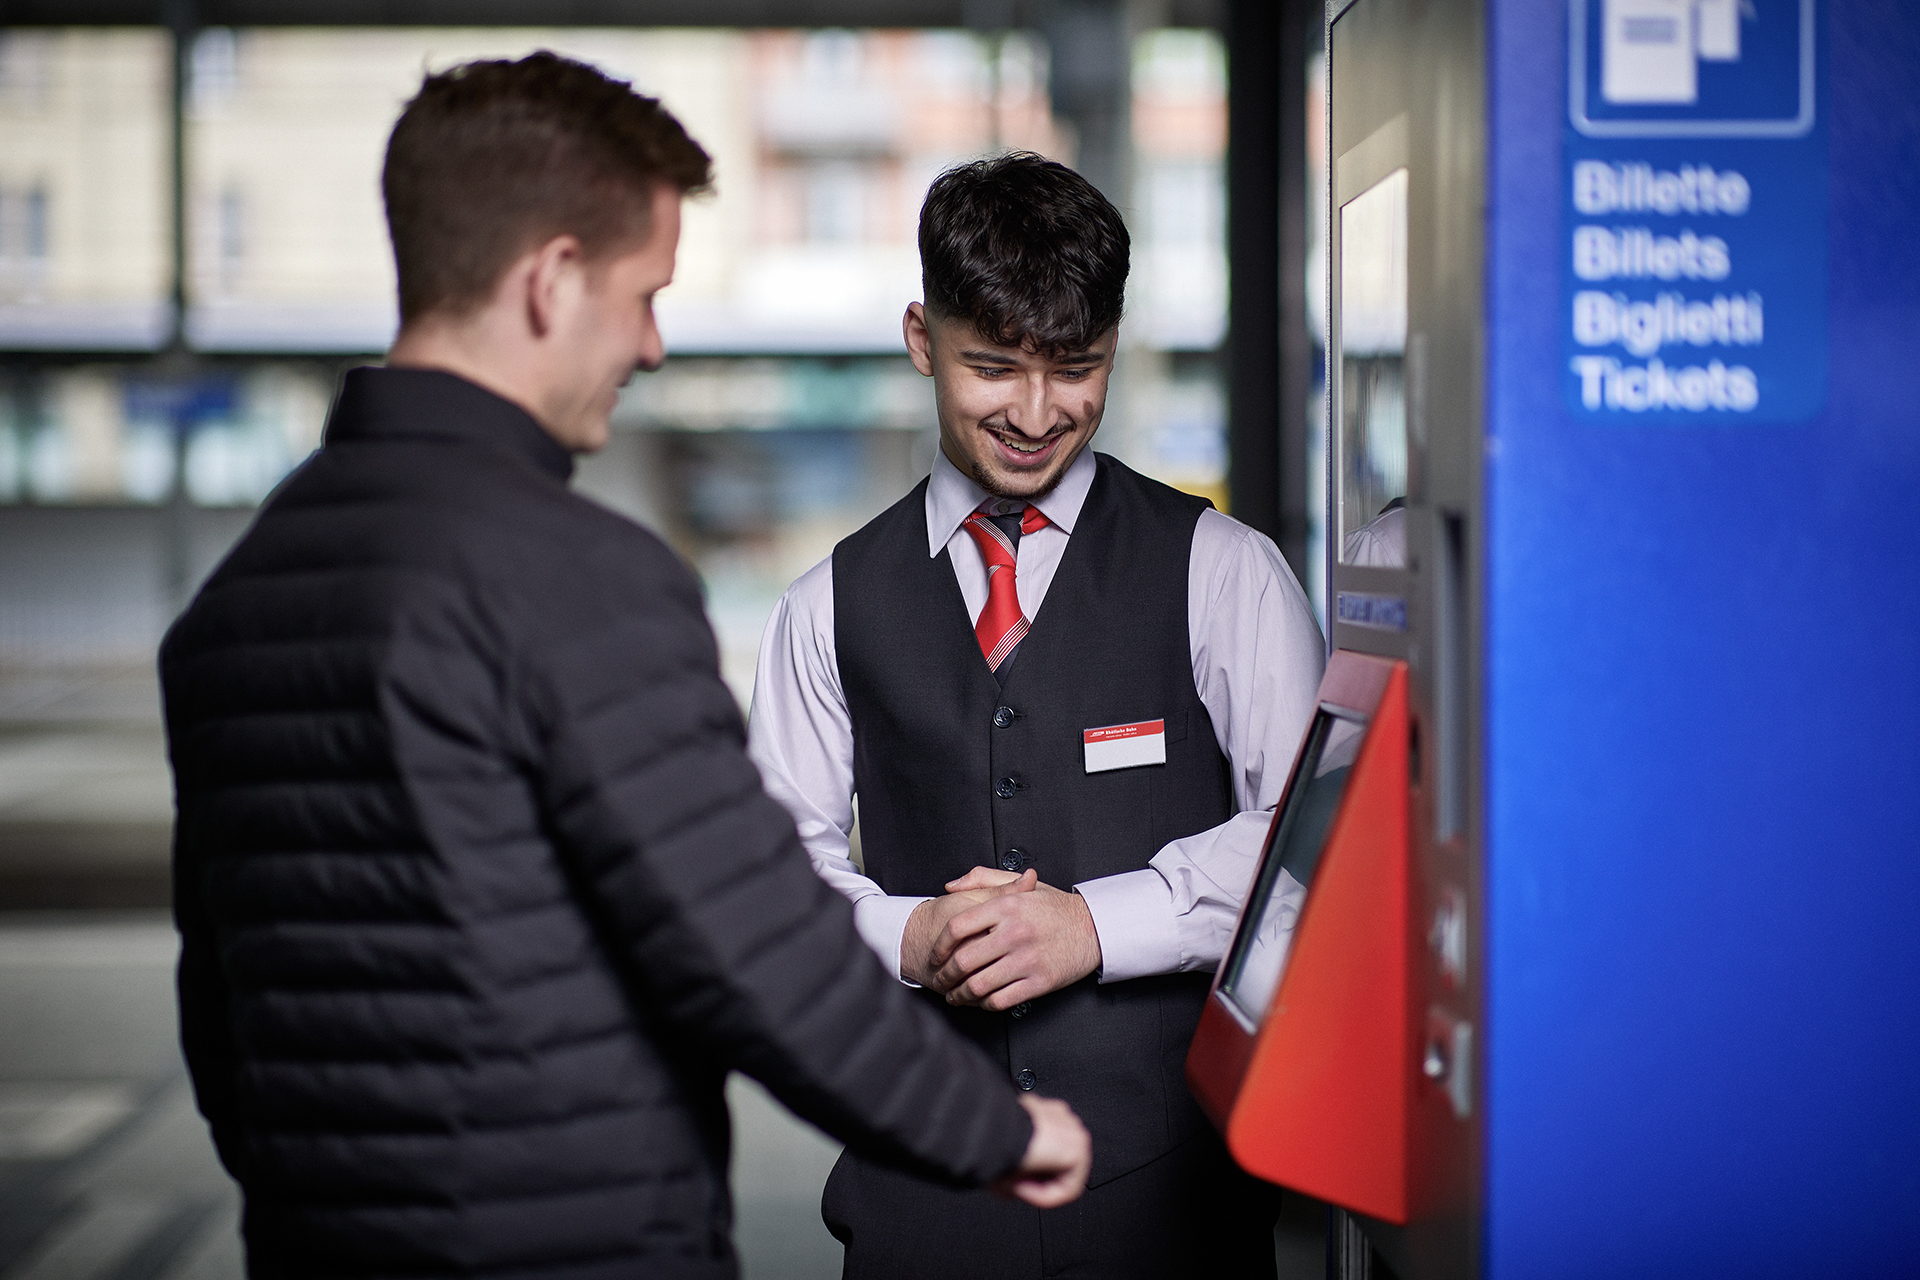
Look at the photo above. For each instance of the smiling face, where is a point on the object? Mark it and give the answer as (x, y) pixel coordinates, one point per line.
(1012, 420)
(604, 330)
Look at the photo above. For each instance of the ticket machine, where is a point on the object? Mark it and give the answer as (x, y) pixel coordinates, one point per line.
(1584, 942)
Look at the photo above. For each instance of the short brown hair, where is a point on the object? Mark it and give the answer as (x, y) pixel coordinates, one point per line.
(1026, 250)
(493, 158)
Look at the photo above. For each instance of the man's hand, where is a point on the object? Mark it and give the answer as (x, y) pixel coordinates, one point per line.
(929, 919)
(988, 878)
(1029, 940)
(1054, 1170)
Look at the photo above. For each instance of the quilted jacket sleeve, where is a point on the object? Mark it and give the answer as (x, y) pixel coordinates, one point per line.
(720, 921)
(206, 1039)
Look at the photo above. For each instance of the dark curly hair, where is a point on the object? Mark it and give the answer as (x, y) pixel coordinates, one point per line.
(493, 158)
(1025, 249)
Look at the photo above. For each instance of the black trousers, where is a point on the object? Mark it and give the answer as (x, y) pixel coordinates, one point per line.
(1191, 1212)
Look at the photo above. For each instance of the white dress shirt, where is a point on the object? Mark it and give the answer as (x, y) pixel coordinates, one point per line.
(1257, 658)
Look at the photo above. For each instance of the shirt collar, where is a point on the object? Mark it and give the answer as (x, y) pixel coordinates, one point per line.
(385, 402)
(952, 497)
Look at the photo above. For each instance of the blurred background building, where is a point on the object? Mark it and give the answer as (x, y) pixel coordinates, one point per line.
(787, 416)
(192, 251)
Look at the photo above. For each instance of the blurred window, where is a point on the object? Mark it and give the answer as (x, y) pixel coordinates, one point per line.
(120, 433)
(787, 415)
(1179, 294)
(84, 191)
(1168, 416)
(287, 243)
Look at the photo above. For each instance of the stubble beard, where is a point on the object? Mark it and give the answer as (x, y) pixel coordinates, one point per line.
(982, 475)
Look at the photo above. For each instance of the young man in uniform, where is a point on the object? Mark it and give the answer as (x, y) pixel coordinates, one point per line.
(479, 898)
(1047, 679)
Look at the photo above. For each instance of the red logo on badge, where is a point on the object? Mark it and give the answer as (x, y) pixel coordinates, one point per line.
(1143, 729)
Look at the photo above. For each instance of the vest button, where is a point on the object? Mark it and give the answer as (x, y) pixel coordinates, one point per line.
(1013, 860)
(1002, 717)
(1025, 1078)
(1005, 788)
(1020, 1010)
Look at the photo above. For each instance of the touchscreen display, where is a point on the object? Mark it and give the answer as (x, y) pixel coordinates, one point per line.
(1258, 956)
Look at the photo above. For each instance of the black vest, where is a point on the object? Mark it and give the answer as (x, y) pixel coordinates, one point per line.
(953, 771)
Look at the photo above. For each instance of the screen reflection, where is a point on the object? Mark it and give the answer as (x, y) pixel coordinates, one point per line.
(1372, 369)
(1258, 958)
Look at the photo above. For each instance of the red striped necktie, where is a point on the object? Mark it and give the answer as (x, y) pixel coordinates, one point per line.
(1001, 627)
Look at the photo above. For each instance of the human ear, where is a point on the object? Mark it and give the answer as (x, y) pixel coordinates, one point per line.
(553, 280)
(919, 339)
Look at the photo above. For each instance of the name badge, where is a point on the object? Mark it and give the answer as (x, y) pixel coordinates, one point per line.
(1122, 746)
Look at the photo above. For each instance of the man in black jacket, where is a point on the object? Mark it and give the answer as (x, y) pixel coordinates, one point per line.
(479, 897)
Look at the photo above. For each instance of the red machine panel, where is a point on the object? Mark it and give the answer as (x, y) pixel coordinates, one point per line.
(1305, 1054)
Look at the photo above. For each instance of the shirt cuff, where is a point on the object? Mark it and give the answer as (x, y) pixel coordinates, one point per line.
(1133, 914)
(881, 921)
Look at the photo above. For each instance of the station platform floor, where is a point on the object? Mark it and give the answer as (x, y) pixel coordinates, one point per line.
(106, 1170)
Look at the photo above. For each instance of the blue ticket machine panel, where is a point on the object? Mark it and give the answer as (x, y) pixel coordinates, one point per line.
(1701, 617)
(1624, 303)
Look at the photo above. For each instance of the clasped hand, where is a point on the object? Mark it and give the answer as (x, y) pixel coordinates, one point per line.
(997, 939)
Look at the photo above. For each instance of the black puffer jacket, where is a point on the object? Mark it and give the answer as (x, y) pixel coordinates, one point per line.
(479, 896)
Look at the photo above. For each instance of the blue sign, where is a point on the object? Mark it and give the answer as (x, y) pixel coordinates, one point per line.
(181, 403)
(1365, 609)
(1695, 206)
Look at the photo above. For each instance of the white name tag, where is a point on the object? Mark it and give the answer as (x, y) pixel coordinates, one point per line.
(1122, 746)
